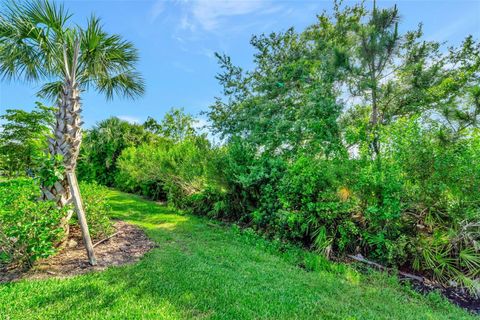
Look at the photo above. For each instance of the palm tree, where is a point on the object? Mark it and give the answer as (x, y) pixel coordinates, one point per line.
(38, 43)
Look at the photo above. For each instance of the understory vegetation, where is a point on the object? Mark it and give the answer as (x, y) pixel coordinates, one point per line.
(30, 228)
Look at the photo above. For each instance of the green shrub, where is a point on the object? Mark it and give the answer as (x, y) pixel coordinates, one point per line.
(103, 144)
(440, 198)
(29, 228)
(165, 170)
(97, 209)
(210, 202)
(421, 211)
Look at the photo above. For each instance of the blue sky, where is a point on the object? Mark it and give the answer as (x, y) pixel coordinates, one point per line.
(177, 40)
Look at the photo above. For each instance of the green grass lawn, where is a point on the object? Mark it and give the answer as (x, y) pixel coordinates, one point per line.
(204, 271)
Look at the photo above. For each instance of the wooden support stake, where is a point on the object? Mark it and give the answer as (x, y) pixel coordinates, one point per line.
(107, 238)
(82, 220)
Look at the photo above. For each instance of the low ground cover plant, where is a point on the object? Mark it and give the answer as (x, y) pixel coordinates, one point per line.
(30, 228)
(97, 209)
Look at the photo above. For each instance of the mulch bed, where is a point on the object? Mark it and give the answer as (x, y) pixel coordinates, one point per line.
(459, 296)
(420, 283)
(127, 246)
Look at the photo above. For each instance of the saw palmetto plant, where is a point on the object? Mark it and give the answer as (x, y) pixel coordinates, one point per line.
(40, 44)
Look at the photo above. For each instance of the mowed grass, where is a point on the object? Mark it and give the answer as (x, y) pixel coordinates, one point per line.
(206, 271)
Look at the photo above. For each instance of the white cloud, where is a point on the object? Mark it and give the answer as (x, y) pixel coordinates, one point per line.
(157, 8)
(179, 39)
(193, 21)
(209, 14)
(130, 119)
(209, 53)
(186, 24)
(183, 67)
(458, 26)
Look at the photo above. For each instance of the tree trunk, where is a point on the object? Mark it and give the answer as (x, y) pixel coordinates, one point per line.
(66, 142)
(375, 142)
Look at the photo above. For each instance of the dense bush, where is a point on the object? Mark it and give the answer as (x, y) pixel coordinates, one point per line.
(29, 228)
(103, 144)
(23, 138)
(97, 209)
(440, 203)
(165, 170)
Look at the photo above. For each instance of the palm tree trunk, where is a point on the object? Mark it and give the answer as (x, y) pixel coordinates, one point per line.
(65, 142)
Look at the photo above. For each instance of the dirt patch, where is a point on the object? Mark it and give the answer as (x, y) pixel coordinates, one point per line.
(420, 283)
(459, 296)
(127, 246)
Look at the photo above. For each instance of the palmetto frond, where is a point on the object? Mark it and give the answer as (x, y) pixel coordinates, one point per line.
(30, 34)
(128, 84)
(50, 90)
(37, 43)
(107, 63)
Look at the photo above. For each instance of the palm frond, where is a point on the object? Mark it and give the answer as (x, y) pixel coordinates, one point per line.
(103, 53)
(29, 37)
(51, 90)
(107, 61)
(37, 44)
(52, 15)
(128, 84)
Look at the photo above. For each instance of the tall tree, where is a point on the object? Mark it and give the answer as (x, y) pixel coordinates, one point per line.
(287, 103)
(389, 73)
(377, 46)
(176, 125)
(456, 97)
(38, 43)
(22, 138)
